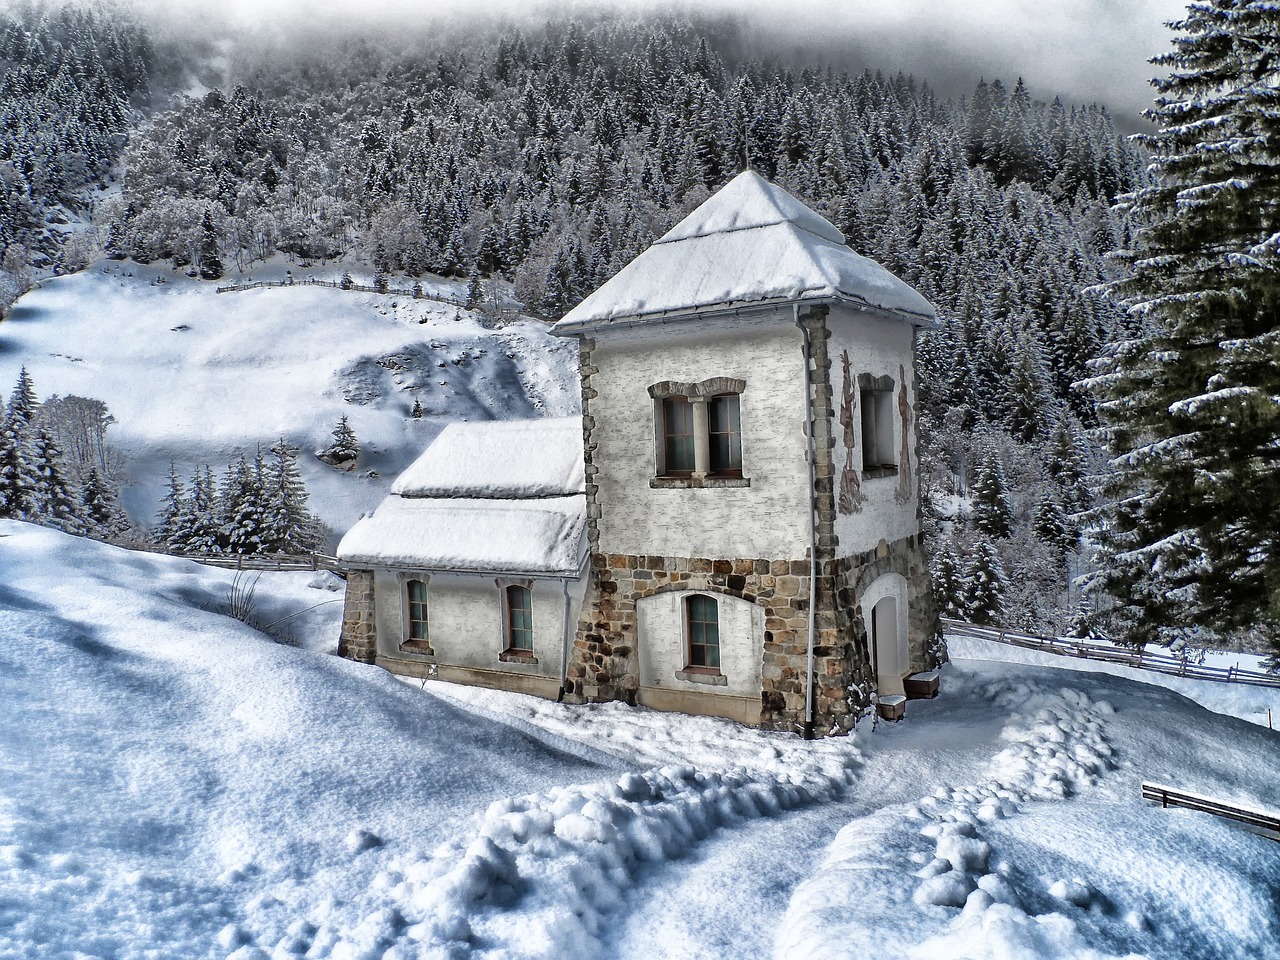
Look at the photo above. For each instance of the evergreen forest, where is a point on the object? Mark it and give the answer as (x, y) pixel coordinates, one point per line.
(549, 153)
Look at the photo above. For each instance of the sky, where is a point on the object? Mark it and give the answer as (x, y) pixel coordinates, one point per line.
(1084, 50)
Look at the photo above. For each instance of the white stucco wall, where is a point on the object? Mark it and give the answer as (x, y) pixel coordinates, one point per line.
(662, 651)
(465, 621)
(877, 347)
(890, 655)
(766, 519)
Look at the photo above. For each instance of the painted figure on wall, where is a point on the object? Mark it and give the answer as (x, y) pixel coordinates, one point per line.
(851, 497)
(903, 493)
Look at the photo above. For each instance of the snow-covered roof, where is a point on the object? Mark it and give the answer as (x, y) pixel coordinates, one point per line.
(542, 536)
(496, 498)
(505, 459)
(751, 242)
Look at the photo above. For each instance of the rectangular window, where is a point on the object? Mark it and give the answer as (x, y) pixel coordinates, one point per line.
(726, 435)
(417, 610)
(702, 621)
(878, 450)
(520, 618)
(677, 428)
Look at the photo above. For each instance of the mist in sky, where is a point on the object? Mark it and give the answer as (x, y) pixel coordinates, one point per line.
(1083, 50)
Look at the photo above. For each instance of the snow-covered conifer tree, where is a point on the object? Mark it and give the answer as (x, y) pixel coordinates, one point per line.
(55, 503)
(992, 509)
(343, 449)
(948, 579)
(100, 506)
(984, 584)
(1188, 399)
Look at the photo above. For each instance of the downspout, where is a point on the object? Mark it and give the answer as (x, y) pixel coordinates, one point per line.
(813, 528)
(564, 644)
(569, 625)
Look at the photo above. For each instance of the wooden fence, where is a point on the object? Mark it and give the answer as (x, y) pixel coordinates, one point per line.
(1269, 823)
(1137, 658)
(503, 314)
(259, 561)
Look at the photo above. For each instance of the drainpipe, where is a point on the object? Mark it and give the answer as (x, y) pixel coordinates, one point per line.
(813, 529)
(564, 644)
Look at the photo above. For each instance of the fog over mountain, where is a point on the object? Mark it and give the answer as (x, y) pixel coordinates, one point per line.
(1083, 50)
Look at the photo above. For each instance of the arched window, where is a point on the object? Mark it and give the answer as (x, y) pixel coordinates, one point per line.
(417, 611)
(702, 628)
(519, 618)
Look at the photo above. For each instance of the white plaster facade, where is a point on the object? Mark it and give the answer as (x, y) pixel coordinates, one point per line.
(768, 518)
(878, 347)
(467, 621)
(661, 645)
(884, 613)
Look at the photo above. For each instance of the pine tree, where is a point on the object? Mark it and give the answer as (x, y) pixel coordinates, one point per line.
(169, 531)
(17, 483)
(23, 403)
(205, 525)
(242, 507)
(992, 509)
(343, 449)
(984, 584)
(288, 527)
(55, 503)
(948, 580)
(1187, 400)
(211, 267)
(100, 506)
(1051, 526)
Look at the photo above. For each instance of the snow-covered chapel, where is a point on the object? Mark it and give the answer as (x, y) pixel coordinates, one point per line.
(733, 526)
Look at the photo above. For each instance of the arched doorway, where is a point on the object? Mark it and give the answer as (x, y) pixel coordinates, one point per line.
(884, 606)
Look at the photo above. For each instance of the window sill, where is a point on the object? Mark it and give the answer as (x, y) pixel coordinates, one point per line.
(707, 675)
(697, 483)
(875, 472)
(517, 656)
(420, 647)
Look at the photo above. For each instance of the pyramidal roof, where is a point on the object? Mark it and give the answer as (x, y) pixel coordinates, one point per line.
(751, 242)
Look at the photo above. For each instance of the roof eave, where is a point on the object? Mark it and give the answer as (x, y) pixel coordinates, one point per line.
(737, 308)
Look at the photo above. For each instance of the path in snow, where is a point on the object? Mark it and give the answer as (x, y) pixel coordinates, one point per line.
(546, 875)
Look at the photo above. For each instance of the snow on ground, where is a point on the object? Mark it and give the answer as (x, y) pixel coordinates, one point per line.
(175, 783)
(1233, 699)
(192, 375)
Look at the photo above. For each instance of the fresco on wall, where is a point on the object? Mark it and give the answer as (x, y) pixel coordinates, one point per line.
(903, 493)
(851, 497)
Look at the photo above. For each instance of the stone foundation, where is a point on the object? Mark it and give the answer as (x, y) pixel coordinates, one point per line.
(359, 638)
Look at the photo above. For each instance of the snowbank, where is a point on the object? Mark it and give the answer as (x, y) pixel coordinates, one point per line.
(1231, 699)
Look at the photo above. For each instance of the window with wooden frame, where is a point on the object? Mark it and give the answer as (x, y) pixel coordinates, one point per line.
(519, 601)
(879, 450)
(702, 632)
(677, 437)
(698, 433)
(725, 430)
(417, 630)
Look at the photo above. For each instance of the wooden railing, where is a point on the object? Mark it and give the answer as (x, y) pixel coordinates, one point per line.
(1137, 658)
(261, 561)
(419, 294)
(1269, 823)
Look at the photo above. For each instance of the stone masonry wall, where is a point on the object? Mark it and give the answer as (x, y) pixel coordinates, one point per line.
(359, 638)
(604, 663)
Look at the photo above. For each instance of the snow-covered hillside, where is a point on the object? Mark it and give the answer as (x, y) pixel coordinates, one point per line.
(192, 375)
(177, 784)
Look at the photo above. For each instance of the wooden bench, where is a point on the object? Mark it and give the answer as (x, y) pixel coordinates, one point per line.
(1267, 823)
